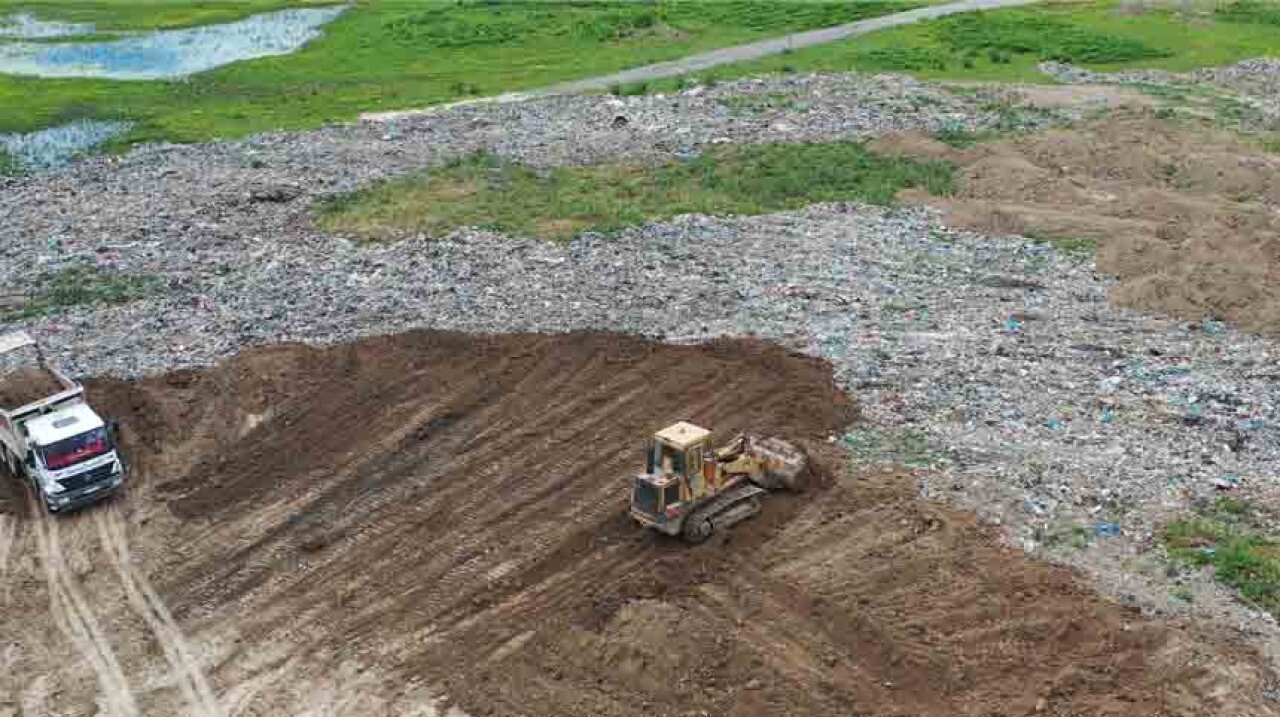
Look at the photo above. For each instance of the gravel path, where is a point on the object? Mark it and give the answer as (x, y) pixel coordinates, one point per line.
(738, 53)
(994, 362)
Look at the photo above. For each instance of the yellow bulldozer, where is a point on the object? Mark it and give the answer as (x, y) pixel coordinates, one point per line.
(691, 490)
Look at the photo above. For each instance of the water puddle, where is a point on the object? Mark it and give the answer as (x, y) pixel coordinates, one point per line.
(57, 146)
(165, 54)
(25, 26)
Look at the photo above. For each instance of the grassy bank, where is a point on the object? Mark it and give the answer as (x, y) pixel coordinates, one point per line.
(484, 191)
(1006, 45)
(385, 55)
(1229, 540)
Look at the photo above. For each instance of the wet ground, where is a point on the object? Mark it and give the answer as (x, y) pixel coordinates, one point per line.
(164, 54)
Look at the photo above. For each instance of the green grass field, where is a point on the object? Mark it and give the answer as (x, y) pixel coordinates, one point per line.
(393, 54)
(558, 204)
(1006, 45)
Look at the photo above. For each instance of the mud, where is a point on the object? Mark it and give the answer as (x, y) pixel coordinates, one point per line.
(1183, 215)
(438, 519)
(19, 388)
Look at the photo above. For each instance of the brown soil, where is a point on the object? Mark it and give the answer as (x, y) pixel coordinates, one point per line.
(446, 512)
(18, 388)
(1187, 218)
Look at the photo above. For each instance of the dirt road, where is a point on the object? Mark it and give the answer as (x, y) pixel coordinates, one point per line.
(428, 520)
(730, 55)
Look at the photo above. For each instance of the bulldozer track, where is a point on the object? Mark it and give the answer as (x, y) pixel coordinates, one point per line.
(148, 605)
(8, 539)
(722, 503)
(74, 618)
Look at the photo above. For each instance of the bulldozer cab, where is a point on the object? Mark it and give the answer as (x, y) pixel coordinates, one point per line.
(679, 450)
(676, 468)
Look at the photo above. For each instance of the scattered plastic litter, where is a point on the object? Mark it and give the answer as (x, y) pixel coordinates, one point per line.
(1226, 482)
(57, 146)
(1106, 530)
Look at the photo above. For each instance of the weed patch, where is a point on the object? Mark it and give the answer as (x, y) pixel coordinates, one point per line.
(1249, 11)
(485, 191)
(756, 104)
(83, 285)
(629, 90)
(1225, 539)
(9, 166)
(1075, 536)
(768, 14)
(1001, 35)
(958, 136)
(884, 447)
(1073, 247)
(902, 59)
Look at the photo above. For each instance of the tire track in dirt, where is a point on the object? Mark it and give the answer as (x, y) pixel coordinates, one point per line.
(8, 538)
(144, 601)
(449, 511)
(75, 620)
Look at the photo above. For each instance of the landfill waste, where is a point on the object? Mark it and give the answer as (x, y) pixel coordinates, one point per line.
(903, 306)
(1229, 482)
(55, 147)
(1253, 85)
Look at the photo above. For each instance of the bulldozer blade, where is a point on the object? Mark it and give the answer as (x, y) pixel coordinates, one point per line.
(785, 465)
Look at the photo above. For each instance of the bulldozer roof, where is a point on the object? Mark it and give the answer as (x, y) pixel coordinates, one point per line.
(682, 435)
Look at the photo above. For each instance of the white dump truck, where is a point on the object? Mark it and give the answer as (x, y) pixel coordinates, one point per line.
(49, 434)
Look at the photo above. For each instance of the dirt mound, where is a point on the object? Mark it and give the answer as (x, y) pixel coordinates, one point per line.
(914, 144)
(28, 385)
(1185, 216)
(446, 512)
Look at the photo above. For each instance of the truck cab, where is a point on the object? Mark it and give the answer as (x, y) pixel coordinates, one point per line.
(48, 432)
(72, 458)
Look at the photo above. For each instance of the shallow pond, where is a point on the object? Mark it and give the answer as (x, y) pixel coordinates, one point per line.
(163, 54)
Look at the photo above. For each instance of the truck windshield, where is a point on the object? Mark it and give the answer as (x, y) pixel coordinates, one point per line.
(72, 450)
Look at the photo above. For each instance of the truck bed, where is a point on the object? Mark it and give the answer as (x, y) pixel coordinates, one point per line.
(27, 385)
